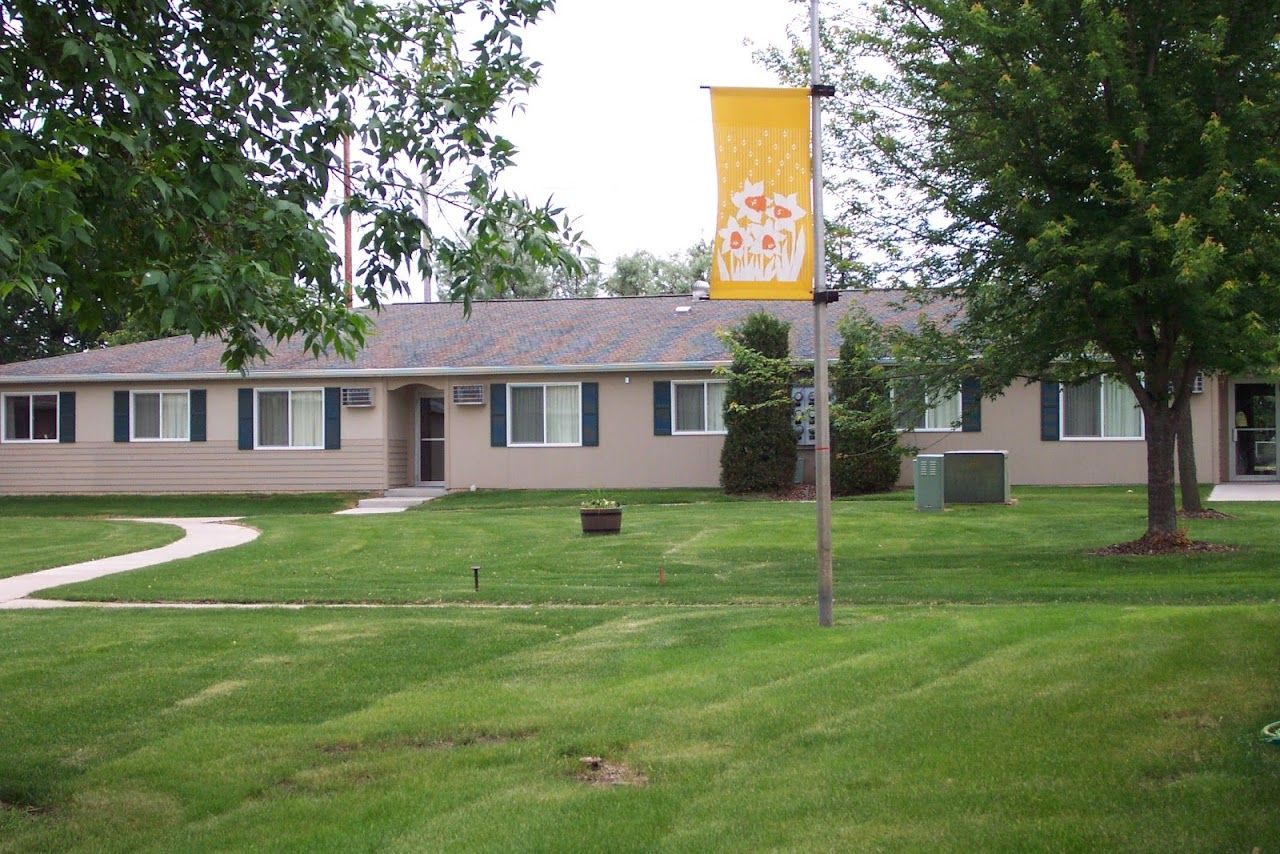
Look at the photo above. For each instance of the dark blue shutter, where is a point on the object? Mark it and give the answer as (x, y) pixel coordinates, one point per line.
(199, 415)
(332, 418)
(970, 406)
(1049, 430)
(121, 413)
(246, 419)
(662, 408)
(498, 415)
(591, 414)
(66, 416)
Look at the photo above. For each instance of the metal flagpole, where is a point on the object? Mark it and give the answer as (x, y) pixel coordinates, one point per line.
(821, 297)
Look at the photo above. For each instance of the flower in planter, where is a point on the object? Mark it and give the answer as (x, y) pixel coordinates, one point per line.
(599, 502)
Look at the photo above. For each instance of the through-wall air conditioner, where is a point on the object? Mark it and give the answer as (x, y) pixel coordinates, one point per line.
(468, 395)
(359, 397)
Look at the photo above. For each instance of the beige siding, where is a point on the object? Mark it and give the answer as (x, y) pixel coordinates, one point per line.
(96, 463)
(628, 455)
(1012, 423)
(378, 446)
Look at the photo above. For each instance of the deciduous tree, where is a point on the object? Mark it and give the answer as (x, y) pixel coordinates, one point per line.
(170, 160)
(1095, 182)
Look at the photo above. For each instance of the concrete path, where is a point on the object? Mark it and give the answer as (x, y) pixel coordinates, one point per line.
(393, 501)
(1245, 492)
(202, 535)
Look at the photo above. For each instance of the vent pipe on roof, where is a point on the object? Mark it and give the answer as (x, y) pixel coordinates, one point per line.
(701, 291)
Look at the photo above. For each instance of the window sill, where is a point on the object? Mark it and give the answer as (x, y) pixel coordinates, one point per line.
(288, 447)
(544, 445)
(1103, 438)
(30, 441)
(168, 441)
(699, 432)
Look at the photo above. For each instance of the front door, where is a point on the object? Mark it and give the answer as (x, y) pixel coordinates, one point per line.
(1253, 431)
(431, 440)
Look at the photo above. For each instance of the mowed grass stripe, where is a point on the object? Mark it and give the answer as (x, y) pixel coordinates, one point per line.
(1057, 726)
(725, 552)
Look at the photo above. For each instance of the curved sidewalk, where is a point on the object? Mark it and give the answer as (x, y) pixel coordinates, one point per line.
(203, 534)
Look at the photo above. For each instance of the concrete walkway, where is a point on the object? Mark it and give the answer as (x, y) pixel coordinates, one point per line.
(394, 501)
(1245, 492)
(202, 535)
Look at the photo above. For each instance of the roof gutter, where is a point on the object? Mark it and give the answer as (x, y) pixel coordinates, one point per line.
(361, 373)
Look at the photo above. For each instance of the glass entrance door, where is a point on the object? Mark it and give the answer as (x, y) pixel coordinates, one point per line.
(431, 440)
(1254, 431)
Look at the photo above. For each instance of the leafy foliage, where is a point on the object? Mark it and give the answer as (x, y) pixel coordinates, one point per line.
(865, 453)
(642, 273)
(169, 161)
(759, 452)
(1096, 184)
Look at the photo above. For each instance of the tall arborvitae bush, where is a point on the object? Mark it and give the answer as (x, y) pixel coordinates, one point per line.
(759, 452)
(865, 454)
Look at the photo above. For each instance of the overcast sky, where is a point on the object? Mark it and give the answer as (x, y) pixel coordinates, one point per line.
(618, 130)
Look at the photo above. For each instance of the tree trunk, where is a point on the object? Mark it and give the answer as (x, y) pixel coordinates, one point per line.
(1162, 510)
(1188, 482)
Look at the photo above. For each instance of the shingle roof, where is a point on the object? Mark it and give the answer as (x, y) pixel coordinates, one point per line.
(436, 338)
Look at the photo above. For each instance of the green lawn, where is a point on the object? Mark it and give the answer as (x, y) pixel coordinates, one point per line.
(175, 505)
(999, 728)
(989, 685)
(27, 545)
(727, 551)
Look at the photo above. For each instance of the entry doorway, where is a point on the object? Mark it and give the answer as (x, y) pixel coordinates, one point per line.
(1254, 419)
(431, 441)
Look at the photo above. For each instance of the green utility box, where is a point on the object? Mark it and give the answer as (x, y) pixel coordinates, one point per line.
(929, 481)
(976, 477)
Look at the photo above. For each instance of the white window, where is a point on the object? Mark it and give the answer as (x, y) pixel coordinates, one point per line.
(1100, 408)
(160, 416)
(919, 413)
(544, 414)
(699, 406)
(290, 418)
(31, 417)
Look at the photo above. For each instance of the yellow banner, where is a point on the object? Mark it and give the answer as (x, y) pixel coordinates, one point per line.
(764, 236)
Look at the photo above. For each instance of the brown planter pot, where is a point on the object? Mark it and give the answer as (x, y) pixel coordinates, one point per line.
(601, 520)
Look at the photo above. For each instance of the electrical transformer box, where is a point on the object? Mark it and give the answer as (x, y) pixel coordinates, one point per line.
(929, 481)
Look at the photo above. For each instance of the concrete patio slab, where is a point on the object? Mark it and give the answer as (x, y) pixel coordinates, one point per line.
(203, 534)
(1245, 492)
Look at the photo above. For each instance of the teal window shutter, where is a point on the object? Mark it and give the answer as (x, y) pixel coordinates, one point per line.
(332, 418)
(199, 415)
(591, 414)
(1049, 427)
(498, 415)
(662, 408)
(970, 405)
(66, 416)
(121, 413)
(246, 419)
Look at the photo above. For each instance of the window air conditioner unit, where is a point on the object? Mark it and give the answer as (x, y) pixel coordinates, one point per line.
(468, 395)
(357, 397)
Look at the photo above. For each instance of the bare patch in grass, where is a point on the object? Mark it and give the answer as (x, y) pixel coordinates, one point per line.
(1202, 719)
(28, 810)
(598, 771)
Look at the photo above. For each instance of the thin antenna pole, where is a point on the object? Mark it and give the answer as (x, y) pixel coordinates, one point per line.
(822, 447)
(346, 219)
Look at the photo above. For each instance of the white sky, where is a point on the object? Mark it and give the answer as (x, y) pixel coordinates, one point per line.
(618, 130)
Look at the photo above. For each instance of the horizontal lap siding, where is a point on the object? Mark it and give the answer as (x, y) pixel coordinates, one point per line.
(88, 467)
(398, 462)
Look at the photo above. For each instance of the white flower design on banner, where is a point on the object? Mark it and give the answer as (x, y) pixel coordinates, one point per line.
(771, 246)
(751, 201)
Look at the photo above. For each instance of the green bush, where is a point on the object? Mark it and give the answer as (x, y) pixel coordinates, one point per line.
(865, 454)
(759, 451)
